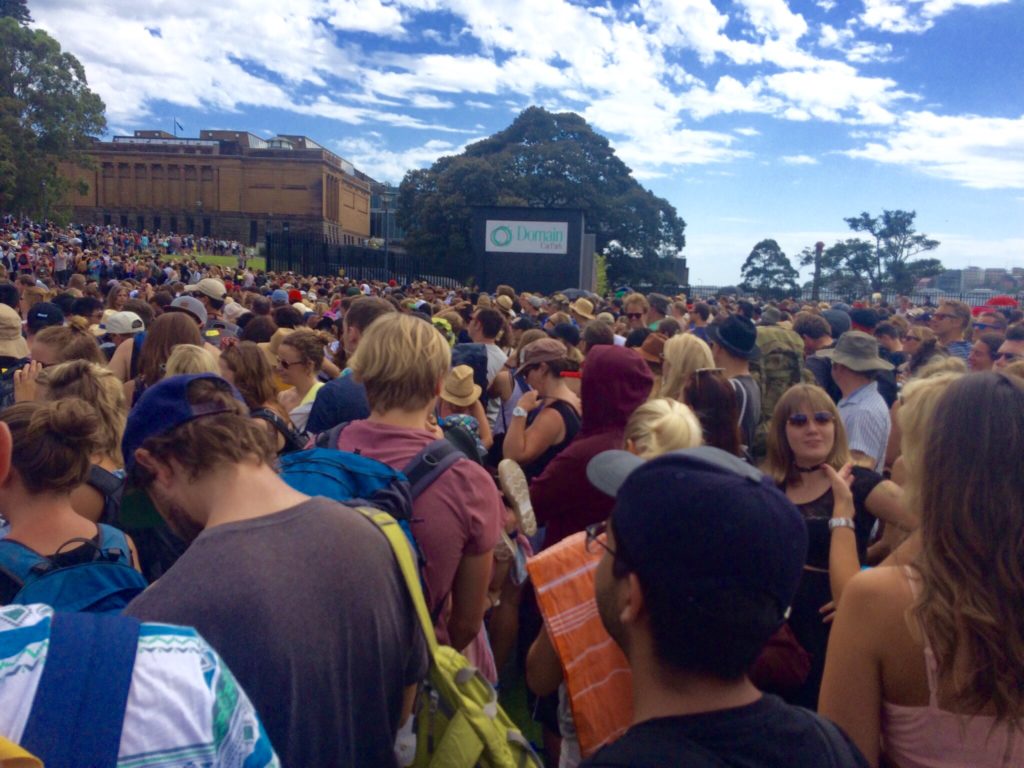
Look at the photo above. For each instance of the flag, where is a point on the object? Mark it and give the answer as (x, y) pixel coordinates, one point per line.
(178, 125)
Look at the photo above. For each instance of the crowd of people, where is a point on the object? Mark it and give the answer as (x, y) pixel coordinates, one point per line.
(723, 532)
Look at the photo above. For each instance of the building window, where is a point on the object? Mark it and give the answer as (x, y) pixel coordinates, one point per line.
(106, 219)
(190, 173)
(108, 170)
(157, 173)
(124, 170)
(253, 231)
(140, 223)
(206, 227)
(190, 225)
(174, 223)
(124, 221)
(140, 171)
(207, 173)
(156, 223)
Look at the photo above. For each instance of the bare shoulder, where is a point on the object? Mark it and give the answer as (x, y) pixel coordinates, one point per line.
(877, 596)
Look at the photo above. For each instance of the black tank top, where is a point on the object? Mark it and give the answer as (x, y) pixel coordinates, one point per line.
(571, 420)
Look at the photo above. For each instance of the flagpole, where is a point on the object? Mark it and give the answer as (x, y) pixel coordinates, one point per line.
(175, 127)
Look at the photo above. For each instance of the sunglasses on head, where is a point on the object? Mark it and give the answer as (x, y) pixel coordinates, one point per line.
(821, 418)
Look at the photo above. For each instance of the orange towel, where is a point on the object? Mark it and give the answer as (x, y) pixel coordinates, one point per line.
(596, 673)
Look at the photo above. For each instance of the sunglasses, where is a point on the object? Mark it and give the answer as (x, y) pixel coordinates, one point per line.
(634, 315)
(942, 316)
(285, 364)
(984, 326)
(1008, 356)
(821, 418)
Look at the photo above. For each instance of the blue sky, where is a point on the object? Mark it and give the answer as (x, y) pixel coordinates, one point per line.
(755, 118)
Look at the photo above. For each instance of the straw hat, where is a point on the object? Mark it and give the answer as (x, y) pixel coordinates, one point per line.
(584, 308)
(459, 388)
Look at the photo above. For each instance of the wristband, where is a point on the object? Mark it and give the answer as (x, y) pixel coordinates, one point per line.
(841, 522)
(517, 411)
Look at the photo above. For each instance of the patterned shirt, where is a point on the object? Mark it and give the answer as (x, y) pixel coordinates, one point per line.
(866, 418)
(961, 349)
(184, 707)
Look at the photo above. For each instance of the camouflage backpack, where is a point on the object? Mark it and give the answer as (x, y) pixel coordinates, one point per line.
(780, 366)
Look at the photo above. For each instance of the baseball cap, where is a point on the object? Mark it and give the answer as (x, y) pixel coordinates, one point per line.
(706, 520)
(279, 296)
(541, 351)
(210, 287)
(191, 306)
(838, 322)
(123, 323)
(43, 315)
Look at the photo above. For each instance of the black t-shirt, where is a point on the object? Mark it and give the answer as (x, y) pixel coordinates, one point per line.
(765, 734)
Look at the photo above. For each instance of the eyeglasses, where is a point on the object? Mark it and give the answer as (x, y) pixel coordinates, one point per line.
(285, 364)
(597, 535)
(634, 315)
(1008, 356)
(821, 418)
(942, 316)
(984, 326)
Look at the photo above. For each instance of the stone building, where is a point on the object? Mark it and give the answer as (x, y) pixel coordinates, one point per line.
(225, 184)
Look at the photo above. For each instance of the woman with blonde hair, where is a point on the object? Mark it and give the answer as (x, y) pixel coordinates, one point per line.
(926, 665)
(64, 343)
(683, 354)
(189, 358)
(299, 358)
(661, 425)
(809, 459)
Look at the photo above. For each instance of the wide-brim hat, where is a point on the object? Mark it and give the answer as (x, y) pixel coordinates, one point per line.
(584, 308)
(737, 335)
(541, 351)
(11, 342)
(858, 351)
(653, 348)
(459, 388)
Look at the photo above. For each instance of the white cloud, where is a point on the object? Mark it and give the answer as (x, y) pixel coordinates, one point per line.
(365, 16)
(747, 131)
(383, 164)
(913, 15)
(826, 5)
(799, 160)
(979, 152)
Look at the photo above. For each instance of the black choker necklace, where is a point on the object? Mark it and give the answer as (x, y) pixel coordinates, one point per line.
(805, 470)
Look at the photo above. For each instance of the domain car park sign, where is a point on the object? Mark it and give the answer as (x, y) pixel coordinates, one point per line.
(532, 249)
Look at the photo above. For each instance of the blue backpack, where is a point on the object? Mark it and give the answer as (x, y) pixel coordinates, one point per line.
(104, 584)
(360, 481)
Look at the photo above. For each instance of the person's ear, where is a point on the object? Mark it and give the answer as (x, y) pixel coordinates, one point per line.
(163, 473)
(6, 448)
(633, 600)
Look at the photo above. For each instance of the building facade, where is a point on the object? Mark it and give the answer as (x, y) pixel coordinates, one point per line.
(225, 184)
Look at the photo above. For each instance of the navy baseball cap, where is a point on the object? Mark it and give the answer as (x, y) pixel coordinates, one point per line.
(165, 406)
(704, 519)
(43, 315)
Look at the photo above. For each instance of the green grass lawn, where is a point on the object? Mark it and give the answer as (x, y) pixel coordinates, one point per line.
(256, 262)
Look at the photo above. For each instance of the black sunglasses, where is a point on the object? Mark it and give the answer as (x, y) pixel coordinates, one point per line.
(634, 315)
(821, 418)
(1008, 356)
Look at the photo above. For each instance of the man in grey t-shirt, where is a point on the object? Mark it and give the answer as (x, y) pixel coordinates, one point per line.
(301, 596)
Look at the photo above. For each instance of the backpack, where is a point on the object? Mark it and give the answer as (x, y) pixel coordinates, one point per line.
(457, 720)
(475, 356)
(780, 366)
(111, 487)
(358, 480)
(293, 441)
(104, 584)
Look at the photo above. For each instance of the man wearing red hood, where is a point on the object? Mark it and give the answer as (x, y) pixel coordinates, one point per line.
(616, 381)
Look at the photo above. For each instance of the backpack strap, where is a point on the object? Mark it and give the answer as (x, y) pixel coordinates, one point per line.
(17, 561)
(114, 539)
(104, 481)
(78, 713)
(429, 464)
(329, 439)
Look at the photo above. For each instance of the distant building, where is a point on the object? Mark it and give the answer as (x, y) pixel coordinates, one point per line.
(950, 280)
(994, 276)
(225, 184)
(973, 277)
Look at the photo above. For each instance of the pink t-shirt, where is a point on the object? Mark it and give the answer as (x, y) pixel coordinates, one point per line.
(461, 513)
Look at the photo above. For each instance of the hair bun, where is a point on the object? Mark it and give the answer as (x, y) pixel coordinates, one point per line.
(71, 421)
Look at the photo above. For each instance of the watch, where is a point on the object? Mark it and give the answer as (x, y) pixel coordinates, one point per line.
(517, 411)
(841, 522)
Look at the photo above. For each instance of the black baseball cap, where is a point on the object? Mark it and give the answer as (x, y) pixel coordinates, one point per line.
(43, 315)
(705, 519)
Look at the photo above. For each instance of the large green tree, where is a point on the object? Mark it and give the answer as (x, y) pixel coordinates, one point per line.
(15, 9)
(542, 160)
(767, 271)
(47, 116)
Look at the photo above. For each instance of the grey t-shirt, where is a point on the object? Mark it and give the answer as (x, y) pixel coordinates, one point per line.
(748, 406)
(309, 610)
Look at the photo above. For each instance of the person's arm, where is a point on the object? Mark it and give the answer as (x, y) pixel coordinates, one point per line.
(483, 425)
(503, 385)
(469, 598)
(843, 562)
(543, 670)
(851, 691)
(524, 444)
(892, 450)
(886, 503)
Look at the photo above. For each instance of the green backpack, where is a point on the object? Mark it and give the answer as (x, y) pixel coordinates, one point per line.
(457, 719)
(780, 366)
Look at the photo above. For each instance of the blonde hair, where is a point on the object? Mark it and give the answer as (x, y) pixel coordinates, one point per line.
(400, 360)
(189, 358)
(683, 354)
(663, 425)
(100, 388)
(918, 401)
(781, 460)
(940, 364)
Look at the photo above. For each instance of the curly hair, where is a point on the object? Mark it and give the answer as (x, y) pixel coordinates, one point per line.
(99, 387)
(971, 504)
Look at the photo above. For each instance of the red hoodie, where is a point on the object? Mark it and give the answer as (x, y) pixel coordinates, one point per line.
(616, 381)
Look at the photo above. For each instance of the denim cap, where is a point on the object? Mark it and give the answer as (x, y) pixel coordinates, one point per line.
(705, 519)
(164, 407)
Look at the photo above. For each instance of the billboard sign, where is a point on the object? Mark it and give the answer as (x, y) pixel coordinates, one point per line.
(526, 236)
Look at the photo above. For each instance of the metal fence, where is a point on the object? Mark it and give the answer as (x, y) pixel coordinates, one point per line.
(315, 256)
(927, 296)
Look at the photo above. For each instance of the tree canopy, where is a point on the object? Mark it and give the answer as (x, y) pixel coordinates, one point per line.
(884, 262)
(768, 272)
(15, 9)
(542, 160)
(47, 115)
